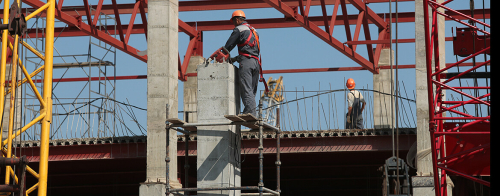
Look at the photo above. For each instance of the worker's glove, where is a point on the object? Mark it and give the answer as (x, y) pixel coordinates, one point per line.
(232, 60)
(348, 119)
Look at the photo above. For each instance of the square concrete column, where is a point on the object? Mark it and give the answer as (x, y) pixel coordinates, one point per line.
(191, 90)
(218, 160)
(162, 94)
(423, 182)
(383, 117)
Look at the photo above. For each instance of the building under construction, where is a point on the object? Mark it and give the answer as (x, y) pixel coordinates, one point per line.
(99, 101)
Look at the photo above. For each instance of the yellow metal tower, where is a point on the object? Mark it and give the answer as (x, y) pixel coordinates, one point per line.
(272, 99)
(13, 29)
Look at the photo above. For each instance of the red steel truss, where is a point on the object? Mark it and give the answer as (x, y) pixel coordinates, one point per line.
(461, 149)
(296, 14)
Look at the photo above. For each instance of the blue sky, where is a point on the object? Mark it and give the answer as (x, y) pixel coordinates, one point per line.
(286, 48)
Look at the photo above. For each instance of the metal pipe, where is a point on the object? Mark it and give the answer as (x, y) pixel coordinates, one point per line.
(11, 109)
(244, 188)
(186, 162)
(3, 64)
(47, 94)
(261, 147)
(256, 194)
(278, 161)
(432, 128)
(13, 161)
(207, 124)
(267, 125)
(167, 158)
(270, 191)
(9, 188)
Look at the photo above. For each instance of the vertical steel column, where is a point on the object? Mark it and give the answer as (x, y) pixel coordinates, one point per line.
(432, 123)
(186, 160)
(3, 66)
(278, 161)
(12, 106)
(167, 156)
(47, 95)
(261, 147)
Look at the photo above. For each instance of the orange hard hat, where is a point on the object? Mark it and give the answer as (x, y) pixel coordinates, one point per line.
(350, 83)
(237, 13)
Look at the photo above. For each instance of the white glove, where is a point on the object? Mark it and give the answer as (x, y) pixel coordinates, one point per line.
(348, 119)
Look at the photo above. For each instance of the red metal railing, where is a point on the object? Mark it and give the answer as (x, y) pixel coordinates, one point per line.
(460, 149)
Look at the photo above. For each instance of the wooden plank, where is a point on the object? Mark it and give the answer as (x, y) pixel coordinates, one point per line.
(176, 121)
(251, 125)
(234, 118)
(247, 117)
(191, 129)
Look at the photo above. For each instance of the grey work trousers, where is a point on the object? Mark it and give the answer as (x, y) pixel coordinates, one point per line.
(249, 79)
(356, 122)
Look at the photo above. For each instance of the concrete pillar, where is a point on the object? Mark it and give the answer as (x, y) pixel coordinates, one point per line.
(218, 160)
(190, 91)
(17, 110)
(382, 113)
(162, 92)
(423, 182)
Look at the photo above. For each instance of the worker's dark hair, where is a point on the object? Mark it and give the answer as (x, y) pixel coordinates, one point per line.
(240, 17)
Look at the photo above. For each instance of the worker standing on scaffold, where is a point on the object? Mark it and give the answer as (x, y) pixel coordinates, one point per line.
(354, 119)
(247, 39)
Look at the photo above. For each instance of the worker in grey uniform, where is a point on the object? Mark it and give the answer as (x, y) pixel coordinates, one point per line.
(246, 38)
(356, 105)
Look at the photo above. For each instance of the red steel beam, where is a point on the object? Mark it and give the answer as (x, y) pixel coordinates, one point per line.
(74, 152)
(316, 144)
(313, 28)
(257, 23)
(278, 71)
(103, 36)
(192, 6)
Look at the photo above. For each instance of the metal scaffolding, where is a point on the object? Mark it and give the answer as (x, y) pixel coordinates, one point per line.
(88, 109)
(190, 128)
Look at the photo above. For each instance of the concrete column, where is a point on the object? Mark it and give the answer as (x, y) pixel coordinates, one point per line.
(218, 160)
(17, 110)
(382, 113)
(191, 90)
(162, 92)
(423, 182)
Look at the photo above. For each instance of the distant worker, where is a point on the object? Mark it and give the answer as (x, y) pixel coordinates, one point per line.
(247, 39)
(354, 119)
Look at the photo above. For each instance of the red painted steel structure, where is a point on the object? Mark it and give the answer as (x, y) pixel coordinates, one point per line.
(454, 145)
(277, 71)
(296, 15)
(346, 165)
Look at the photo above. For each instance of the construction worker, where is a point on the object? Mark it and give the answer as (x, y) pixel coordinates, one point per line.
(247, 39)
(356, 105)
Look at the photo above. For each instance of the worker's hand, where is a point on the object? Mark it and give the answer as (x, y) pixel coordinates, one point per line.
(348, 119)
(232, 60)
